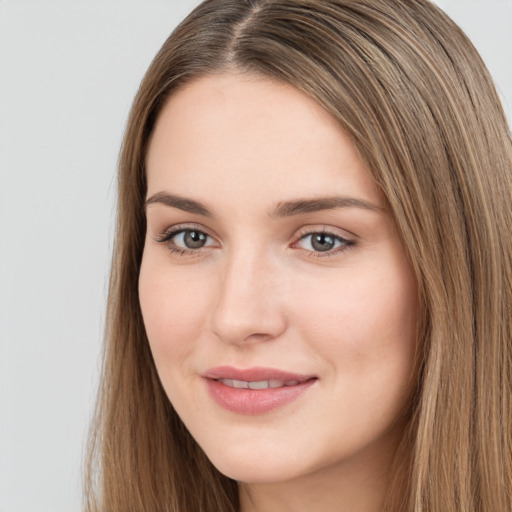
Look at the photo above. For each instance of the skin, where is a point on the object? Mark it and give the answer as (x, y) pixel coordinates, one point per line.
(258, 293)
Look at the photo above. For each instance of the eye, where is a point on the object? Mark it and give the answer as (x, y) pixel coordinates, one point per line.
(185, 241)
(190, 239)
(323, 242)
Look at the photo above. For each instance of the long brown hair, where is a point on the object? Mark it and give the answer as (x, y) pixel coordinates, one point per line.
(414, 96)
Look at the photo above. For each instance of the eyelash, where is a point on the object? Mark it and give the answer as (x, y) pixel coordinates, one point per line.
(167, 237)
(345, 244)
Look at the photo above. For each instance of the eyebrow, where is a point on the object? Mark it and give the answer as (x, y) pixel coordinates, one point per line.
(283, 209)
(182, 203)
(304, 206)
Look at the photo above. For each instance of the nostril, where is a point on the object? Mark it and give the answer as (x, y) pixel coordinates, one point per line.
(242, 338)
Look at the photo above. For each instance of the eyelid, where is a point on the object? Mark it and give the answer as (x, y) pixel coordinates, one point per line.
(325, 228)
(347, 241)
(185, 226)
(165, 237)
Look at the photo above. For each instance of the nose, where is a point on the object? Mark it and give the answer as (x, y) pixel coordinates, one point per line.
(249, 303)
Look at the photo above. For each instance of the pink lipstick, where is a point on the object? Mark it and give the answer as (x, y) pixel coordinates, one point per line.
(255, 390)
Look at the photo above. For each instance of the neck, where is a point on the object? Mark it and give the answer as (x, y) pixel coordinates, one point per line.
(324, 495)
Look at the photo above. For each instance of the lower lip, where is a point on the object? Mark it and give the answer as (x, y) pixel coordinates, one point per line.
(255, 401)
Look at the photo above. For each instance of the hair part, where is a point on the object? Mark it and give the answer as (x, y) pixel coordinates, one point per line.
(415, 98)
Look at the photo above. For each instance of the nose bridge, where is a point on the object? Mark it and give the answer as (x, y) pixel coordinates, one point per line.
(248, 305)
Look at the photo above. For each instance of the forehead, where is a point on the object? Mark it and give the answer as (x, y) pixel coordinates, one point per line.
(253, 135)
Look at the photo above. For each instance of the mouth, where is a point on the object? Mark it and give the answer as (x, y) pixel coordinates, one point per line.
(255, 390)
(260, 384)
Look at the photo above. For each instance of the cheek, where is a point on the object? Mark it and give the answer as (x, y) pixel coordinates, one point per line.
(365, 324)
(368, 337)
(174, 307)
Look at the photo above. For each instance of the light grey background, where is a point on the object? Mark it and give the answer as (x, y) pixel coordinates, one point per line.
(68, 72)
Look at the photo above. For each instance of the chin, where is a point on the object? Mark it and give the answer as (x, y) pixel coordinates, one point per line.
(255, 466)
(253, 473)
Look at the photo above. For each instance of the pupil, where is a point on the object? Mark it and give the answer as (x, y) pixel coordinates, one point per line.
(322, 242)
(194, 239)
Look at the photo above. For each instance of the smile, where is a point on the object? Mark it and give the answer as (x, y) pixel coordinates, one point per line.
(255, 391)
(261, 384)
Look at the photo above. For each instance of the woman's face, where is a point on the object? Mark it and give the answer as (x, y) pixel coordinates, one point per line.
(277, 297)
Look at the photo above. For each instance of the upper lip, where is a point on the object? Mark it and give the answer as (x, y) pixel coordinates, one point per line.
(254, 374)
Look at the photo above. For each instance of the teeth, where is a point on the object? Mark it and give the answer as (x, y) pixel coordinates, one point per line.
(262, 384)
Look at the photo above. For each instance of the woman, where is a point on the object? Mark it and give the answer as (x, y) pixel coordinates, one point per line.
(311, 289)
